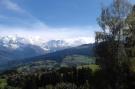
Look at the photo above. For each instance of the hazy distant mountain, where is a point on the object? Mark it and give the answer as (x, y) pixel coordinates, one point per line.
(15, 47)
(15, 42)
(86, 50)
(27, 51)
(55, 45)
(58, 56)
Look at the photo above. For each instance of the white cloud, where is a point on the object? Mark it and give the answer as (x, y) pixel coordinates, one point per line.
(10, 5)
(36, 28)
(49, 33)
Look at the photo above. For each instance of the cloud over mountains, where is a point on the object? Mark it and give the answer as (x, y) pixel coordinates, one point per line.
(15, 20)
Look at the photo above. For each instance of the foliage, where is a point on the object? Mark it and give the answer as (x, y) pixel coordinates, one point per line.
(64, 78)
(115, 45)
(111, 47)
(65, 86)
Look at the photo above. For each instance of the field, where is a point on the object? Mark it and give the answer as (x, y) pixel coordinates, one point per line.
(3, 83)
(94, 67)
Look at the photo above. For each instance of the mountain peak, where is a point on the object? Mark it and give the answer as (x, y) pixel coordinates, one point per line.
(15, 41)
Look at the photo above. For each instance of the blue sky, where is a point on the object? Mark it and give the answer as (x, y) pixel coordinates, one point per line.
(50, 19)
(56, 13)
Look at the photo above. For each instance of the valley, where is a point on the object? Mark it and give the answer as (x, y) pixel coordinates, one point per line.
(67, 44)
(17, 51)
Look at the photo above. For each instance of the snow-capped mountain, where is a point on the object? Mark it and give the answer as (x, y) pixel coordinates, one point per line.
(54, 45)
(15, 42)
(15, 47)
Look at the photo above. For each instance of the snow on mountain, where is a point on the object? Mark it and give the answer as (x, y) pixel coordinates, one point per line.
(54, 45)
(14, 42)
(16, 47)
(19, 48)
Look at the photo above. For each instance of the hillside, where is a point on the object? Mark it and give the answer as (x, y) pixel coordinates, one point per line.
(86, 50)
(58, 56)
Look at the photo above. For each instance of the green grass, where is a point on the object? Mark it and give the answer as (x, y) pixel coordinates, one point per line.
(79, 59)
(3, 83)
(94, 67)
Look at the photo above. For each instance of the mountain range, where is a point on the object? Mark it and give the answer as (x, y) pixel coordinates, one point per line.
(15, 50)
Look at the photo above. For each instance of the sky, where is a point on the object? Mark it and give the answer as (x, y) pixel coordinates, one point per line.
(51, 19)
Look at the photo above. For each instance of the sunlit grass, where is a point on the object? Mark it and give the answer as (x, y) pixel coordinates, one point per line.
(3, 83)
(93, 67)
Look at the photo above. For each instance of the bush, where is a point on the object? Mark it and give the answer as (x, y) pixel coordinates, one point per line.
(66, 86)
